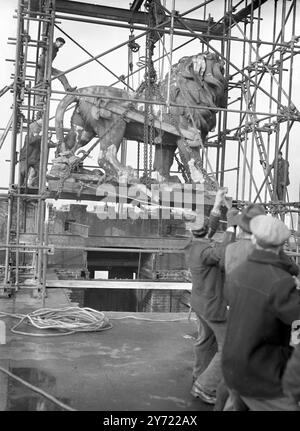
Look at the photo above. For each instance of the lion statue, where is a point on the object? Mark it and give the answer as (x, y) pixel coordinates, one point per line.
(197, 87)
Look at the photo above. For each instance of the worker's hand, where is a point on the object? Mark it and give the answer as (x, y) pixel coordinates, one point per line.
(297, 282)
(220, 197)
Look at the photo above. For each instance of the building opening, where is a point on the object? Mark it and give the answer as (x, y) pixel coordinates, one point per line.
(122, 266)
(112, 266)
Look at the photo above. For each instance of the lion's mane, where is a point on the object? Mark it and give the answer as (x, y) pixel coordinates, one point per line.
(207, 88)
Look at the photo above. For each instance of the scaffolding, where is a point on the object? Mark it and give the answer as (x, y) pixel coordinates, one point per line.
(250, 132)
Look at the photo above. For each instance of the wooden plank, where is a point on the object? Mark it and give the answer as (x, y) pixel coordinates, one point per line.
(113, 284)
(193, 136)
(75, 190)
(159, 244)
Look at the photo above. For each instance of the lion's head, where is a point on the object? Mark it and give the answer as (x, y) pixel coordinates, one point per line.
(197, 80)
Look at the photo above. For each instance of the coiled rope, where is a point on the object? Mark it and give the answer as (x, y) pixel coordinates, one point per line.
(68, 320)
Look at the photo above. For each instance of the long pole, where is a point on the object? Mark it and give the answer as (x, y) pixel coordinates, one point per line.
(224, 122)
(253, 106)
(48, 35)
(178, 105)
(6, 130)
(17, 95)
(171, 56)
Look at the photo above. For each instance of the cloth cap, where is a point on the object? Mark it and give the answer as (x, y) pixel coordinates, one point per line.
(269, 231)
(252, 210)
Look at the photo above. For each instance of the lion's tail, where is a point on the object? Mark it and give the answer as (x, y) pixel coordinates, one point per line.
(59, 115)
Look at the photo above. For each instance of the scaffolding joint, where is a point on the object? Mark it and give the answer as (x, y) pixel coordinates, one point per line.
(289, 113)
(295, 39)
(26, 36)
(266, 128)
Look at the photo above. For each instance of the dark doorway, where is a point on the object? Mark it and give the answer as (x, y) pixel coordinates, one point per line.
(120, 266)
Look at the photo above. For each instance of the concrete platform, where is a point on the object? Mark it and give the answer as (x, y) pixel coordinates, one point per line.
(137, 365)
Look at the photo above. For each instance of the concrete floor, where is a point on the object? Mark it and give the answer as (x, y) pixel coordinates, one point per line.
(135, 366)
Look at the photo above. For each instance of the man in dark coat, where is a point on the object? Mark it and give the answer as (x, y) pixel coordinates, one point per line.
(59, 42)
(282, 176)
(263, 303)
(208, 303)
(237, 252)
(30, 155)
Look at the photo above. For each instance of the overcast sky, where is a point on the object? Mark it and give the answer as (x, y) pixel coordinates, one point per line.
(98, 39)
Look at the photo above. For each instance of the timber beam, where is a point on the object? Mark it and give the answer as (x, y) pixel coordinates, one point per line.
(244, 13)
(136, 4)
(120, 284)
(124, 15)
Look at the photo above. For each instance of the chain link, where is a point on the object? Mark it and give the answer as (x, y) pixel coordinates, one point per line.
(151, 139)
(148, 86)
(146, 140)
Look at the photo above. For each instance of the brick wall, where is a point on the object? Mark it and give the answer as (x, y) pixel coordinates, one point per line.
(165, 301)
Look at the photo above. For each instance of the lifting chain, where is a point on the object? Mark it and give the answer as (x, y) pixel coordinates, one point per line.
(146, 140)
(148, 87)
(181, 168)
(151, 138)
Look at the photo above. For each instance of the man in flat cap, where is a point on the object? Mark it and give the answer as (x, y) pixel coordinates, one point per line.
(238, 251)
(235, 254)
(207, 300)
(263, 303)
(58, 43)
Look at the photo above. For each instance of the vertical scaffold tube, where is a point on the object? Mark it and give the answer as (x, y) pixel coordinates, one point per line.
(15, 120)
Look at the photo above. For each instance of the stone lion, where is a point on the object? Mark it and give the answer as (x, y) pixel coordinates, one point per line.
(197, 87)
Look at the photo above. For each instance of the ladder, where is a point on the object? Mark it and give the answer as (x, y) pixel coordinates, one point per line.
(264, 160)
(29, 37)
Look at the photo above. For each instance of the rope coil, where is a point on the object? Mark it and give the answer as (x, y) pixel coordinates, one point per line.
(68, 320)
